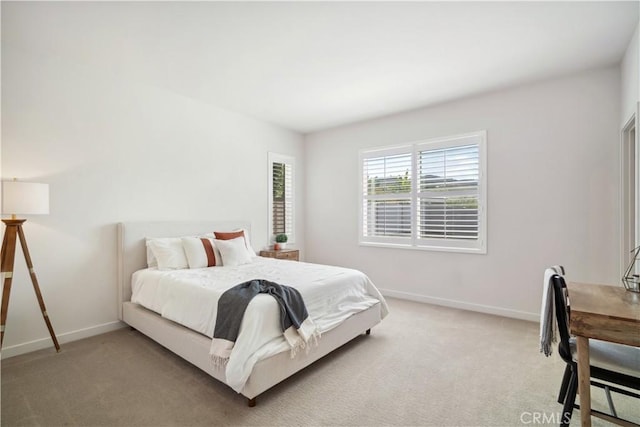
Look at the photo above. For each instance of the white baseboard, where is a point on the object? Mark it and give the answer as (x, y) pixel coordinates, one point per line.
(498, 311)
(67, 337)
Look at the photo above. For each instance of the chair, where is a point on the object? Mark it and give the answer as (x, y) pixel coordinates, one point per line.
(610, 363)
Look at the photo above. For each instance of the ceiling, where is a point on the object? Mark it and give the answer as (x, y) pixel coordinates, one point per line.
(309, 66)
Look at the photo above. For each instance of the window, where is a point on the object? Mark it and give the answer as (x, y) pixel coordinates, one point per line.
(426, 195)
(281, 196)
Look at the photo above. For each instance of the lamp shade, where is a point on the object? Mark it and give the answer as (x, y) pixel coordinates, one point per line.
(27, 198)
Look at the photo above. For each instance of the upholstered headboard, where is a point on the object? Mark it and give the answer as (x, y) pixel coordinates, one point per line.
(132, 251)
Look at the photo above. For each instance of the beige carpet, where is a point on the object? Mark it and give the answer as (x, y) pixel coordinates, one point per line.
(423, 365)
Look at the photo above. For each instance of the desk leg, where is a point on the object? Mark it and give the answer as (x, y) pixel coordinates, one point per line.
(584, 381)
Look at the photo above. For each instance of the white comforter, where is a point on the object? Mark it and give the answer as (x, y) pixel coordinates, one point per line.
(189, 297)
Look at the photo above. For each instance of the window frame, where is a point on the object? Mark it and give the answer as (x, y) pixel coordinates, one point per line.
(477, 246)
(290, 160)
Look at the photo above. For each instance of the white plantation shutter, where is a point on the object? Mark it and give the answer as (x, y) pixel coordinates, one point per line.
(447, 200)
(442, 208)
(281, 196)
(386, 181)
(288, 199)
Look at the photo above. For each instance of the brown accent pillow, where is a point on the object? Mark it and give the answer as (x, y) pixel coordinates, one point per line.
(208, 249)
(229, 235)
(201, 252)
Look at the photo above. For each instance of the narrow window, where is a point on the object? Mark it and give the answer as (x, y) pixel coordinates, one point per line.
(281, 196)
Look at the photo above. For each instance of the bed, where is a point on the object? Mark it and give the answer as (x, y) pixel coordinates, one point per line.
(270, 367)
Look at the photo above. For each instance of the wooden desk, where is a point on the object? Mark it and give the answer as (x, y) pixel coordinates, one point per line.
(608, 313)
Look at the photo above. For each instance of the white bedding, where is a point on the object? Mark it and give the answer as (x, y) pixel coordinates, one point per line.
(189, 297)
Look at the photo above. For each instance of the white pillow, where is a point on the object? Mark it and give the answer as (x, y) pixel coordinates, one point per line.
(233, 251)
(226, 235)
(151, 258)
(248, 243)
(199, 251)
(168, 252)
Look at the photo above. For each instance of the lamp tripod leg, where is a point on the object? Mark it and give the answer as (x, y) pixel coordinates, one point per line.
(36, 287)
(7, 258)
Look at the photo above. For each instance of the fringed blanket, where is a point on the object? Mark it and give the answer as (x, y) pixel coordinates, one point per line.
(548, 325)
(297, 327)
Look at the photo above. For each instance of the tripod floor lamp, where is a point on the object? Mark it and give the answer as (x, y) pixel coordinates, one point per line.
(30, 199)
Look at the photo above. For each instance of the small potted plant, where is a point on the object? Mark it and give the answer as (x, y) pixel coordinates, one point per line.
(281, 240)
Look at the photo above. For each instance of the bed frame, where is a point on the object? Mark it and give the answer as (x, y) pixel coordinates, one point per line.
(193, 346)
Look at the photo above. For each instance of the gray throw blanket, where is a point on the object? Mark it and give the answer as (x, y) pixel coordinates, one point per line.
(296, 325)
(548, 325)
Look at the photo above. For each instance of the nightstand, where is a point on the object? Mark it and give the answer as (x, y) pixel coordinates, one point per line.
(291, 254)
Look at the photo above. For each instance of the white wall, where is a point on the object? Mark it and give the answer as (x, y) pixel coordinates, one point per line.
(630, 78)
(552, 194)
(114, 149)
